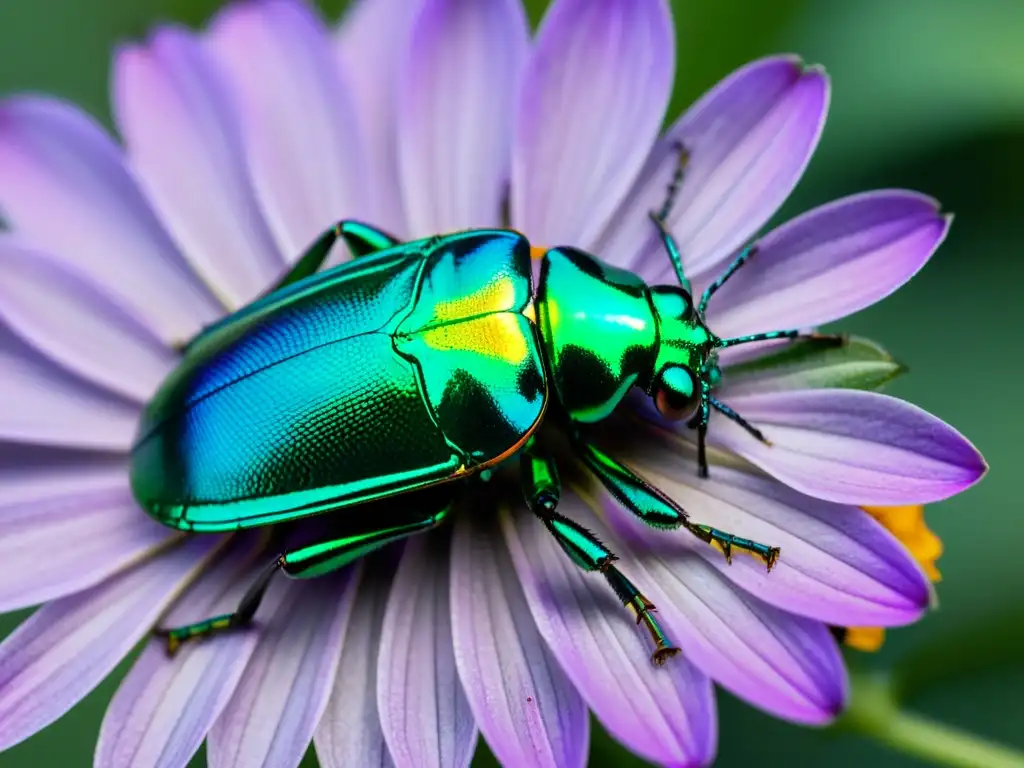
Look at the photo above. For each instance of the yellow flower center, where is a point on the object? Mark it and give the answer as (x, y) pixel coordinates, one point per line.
(908, 525)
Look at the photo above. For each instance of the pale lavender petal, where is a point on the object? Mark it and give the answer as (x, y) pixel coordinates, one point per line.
(271, 718)
(185, 143)
(56, 309)
(164, 707)
(349, 732)
(42, 403)
(665, 715)
(423, 710)
(64, 186)
(67, 543)
(31, 473)
(591, 104)
(852, 447)
(829, 263)
(838, 564)
(67, 647)
(368, 45)
(787, 665)
(456, 113)
(527, 709)
(749, 139)
(303, 141)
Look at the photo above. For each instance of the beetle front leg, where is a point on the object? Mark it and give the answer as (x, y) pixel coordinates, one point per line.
(307, 562)
(542, 489)
(657, 510)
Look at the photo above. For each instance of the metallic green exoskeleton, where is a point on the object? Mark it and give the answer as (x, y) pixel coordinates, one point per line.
(414, 367)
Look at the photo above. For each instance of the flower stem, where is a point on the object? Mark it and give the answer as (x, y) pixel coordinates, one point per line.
(875, 713)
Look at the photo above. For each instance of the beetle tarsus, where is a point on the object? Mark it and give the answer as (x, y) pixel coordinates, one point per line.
(175, 637)
(663, 647)
(727, 543)
(541, 488)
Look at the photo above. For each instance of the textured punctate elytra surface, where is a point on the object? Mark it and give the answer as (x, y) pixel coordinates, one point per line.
(346, 386)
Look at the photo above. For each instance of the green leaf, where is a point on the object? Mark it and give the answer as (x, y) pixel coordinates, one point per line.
(858, 364)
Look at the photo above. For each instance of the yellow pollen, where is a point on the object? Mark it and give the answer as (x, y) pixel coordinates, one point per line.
(908, 525)
(537, 252)
(866, 639)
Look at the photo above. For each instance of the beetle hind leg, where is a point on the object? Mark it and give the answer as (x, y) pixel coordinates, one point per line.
(361, 239)
(174, 637)
(310, 561)
(542, 489)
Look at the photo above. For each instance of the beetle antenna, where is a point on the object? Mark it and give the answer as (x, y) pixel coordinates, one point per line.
(730, 414)
(673, 251)
(826, 339)
(731, 270)
(660, 217)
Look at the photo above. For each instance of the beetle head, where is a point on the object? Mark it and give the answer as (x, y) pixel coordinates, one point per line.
(685, 356)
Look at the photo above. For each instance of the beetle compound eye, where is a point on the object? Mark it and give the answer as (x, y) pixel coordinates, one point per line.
(678, 393)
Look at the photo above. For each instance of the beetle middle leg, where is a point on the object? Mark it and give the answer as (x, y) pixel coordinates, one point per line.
(657, 510)
(542, 489)
(323, 556)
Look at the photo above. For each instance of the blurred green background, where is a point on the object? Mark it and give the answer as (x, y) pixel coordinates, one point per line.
(927, 94)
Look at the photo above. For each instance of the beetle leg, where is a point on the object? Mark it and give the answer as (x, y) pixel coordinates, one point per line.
(657, 510)
(175, 636)
(306, 562)
(362, 239)
(703, 416)
(730, 414)
(542, 490)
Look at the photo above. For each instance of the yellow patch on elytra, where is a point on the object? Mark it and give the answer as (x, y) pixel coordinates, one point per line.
(496, 296)
(497, 336)
(552, 313)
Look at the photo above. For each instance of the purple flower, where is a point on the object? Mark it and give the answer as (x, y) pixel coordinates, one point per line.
(242, 143)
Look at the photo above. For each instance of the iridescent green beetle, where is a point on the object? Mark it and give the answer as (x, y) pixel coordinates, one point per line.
(417, 366)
